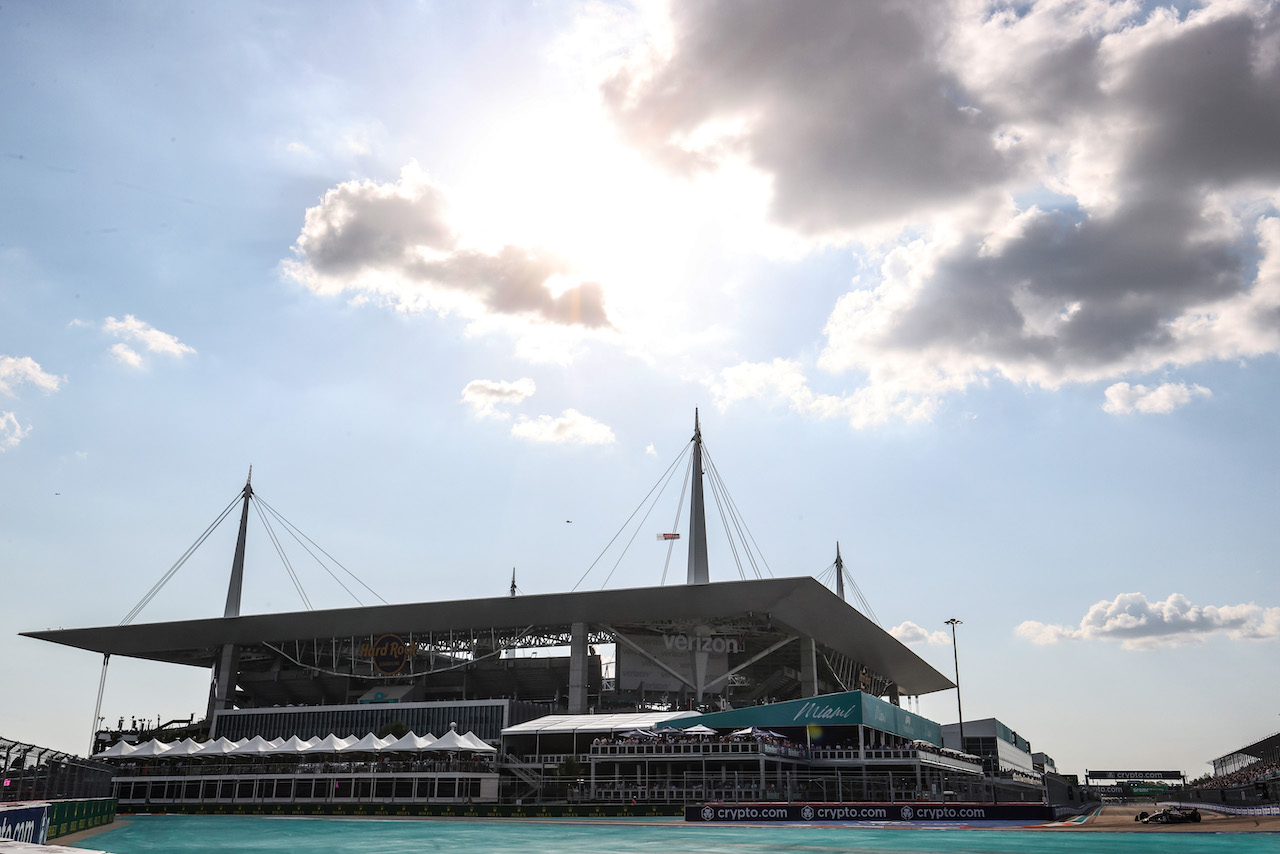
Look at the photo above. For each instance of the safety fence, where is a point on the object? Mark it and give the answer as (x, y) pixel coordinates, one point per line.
(34, 773)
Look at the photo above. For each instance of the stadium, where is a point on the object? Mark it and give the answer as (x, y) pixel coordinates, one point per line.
(764, 689)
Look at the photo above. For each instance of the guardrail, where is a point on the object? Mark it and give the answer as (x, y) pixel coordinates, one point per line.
(1203, 806)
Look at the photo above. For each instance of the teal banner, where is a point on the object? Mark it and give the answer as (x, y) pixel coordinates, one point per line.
(830, 710)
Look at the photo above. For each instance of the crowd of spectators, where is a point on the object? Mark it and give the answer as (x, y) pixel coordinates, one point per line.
(1259, 771)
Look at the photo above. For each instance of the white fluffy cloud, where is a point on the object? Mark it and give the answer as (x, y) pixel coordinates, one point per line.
(16, 371)
(144, 335)
(396, 243)
(485, 396)
(1137, 623)
(1123, 398)
(11, 432)
(910, 633)
(1061, 193)
(572, 427)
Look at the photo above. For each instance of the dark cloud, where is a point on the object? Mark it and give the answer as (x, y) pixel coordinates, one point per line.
(396, 242)
(1148, 140)
(1117, 279)
(514, 280)
(844, 105)
(1208, 103)
(362, 224)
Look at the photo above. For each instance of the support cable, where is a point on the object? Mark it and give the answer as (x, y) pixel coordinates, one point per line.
(661, 482)
(728, 535)
(750, 546)
(164, 579)
(284, 558)
(675, 524)
(300, 537)
(636, 533)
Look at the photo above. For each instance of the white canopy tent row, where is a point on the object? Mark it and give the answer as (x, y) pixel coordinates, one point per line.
(451, 741)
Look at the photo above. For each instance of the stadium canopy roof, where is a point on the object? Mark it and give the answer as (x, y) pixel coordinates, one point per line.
(1263, 748)
(801, 605)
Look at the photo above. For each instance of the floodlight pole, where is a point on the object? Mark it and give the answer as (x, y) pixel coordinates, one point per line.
(953, 622)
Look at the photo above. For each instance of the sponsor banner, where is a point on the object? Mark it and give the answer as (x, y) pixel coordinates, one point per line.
(912, 812)
(1134, 775)
(25, 824)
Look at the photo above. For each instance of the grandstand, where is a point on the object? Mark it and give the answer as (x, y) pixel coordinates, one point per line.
(1247, 776)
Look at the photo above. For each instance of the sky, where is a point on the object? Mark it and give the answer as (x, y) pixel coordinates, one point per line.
(987, 293)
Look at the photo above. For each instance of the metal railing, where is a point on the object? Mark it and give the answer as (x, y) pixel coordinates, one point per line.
(33, 773)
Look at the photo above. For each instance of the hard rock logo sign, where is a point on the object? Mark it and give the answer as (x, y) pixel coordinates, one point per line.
(389, 654)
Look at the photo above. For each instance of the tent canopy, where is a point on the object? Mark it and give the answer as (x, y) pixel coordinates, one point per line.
(410, 743)
(115, 751)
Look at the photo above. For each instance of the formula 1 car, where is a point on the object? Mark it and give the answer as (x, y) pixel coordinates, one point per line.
(1170, 815)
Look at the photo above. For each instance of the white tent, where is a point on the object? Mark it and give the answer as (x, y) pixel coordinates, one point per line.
(218, 747)
(469, 743)
(410, 743)
(700, 729)
(150, 749)
(329, 744)
(186, 747)
(294, 745)
(480, 745)
(255, 746)
(115, 751)
(369, 744)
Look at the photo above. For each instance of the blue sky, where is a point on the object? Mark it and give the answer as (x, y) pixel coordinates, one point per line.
(990, 298)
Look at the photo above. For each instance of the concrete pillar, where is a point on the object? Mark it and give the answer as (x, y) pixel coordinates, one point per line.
(808, 667)
(578, 669)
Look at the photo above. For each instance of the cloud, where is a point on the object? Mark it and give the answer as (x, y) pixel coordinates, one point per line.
(572, 427)
(1052, 194)
(396, 244)
(143, 335)
(1137, 623)
(784, 381)
(126, 355)
(484, 396)
(1123, 398)
(910, 633)
(843, 105)
(16, 371)
(11, 432)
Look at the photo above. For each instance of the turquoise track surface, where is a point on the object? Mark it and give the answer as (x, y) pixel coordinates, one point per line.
(200, 834)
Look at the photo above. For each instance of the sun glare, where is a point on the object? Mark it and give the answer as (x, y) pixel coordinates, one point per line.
(559, 179)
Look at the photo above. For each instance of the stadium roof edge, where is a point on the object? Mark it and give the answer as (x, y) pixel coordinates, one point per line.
(801, 604)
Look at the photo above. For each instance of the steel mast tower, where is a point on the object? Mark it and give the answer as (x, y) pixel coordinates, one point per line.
(698, 572)
(222, 691)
